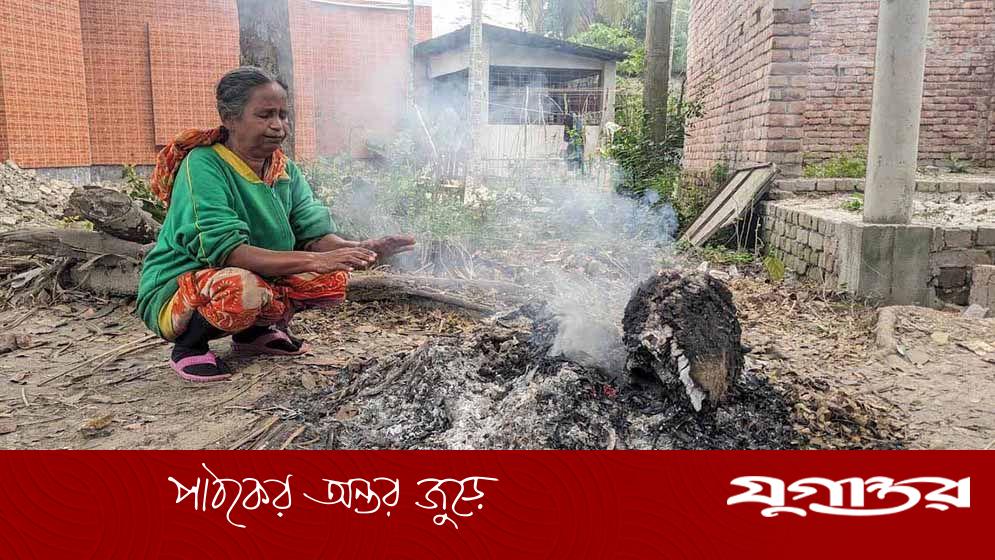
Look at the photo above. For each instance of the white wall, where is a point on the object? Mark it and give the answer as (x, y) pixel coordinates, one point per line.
(506, 141)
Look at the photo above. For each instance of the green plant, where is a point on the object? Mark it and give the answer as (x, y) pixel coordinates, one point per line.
(725, 255)
(774, 267)
(852, 165)
(854, 203)
(956, 165)
(719, 174)
(138, 189)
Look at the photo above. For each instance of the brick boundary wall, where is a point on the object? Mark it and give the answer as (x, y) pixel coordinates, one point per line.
(796, 81)
(809, 245)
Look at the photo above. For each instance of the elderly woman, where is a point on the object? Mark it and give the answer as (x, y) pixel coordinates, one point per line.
(245, 244)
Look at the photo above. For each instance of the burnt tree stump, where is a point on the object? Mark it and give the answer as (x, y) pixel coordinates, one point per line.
(682, 329)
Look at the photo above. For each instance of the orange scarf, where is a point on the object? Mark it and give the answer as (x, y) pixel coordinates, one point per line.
(167, 163)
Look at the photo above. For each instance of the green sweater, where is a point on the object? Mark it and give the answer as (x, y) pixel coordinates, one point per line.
(217, 204)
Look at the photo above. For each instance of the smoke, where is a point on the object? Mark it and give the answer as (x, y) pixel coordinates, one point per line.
(622, 241)
(532, 220)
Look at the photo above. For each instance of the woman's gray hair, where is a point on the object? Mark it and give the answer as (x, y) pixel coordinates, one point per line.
(236, 87)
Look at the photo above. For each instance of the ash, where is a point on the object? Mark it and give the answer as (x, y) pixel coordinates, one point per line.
(502, 389)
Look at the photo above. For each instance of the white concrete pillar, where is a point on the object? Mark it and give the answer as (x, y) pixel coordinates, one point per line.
(895, 112)
(608, 78)
(477, 85)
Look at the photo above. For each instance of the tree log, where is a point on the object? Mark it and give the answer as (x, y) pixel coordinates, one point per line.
(115, 213)
(70, 243)
(683, 330)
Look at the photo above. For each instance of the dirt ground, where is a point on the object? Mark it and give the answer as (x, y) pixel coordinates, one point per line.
(87, 375)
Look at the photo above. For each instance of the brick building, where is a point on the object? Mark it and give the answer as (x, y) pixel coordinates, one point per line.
(787, 79)
(88, 85)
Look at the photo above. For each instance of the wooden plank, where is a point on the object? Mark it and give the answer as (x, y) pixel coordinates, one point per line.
(743, 190)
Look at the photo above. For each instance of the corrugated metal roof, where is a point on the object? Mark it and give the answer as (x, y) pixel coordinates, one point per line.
(461, 37)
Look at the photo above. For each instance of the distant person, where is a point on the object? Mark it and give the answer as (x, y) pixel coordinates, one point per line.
(573, 135)
(244, 244)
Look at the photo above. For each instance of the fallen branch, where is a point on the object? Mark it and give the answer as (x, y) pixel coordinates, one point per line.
(115, 213)
(70, 243)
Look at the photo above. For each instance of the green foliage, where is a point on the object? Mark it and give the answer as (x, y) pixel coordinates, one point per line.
(719, 174)
(724, 255)
(607, 37)
(854, 203)
(774, 267)
(853, 165)
(368, 201)
(956, 165)
(138, 189)
(634, 65)
(615, 39)
(642, 159)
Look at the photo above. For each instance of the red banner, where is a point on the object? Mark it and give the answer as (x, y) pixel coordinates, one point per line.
(132, 504)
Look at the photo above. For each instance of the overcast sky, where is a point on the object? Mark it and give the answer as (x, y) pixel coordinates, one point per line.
(448, 15)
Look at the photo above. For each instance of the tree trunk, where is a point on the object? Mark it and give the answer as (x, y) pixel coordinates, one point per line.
(682, 329)
(115, 213)
(70, 243)
(657, 78)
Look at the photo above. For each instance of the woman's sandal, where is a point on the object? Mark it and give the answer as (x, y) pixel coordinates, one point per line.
(259, 345)
(201, 359)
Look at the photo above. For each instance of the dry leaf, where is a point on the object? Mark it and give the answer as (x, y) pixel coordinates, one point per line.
(346, 412)
(7, 426)
(918, 357)
(308, 381)
(979, 347)
(940, 337)
(97, 427)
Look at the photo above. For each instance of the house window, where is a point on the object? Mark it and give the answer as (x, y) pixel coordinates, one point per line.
(543, 95)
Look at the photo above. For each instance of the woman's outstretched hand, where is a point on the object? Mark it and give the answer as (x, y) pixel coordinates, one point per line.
(391, 245)
(346, 259)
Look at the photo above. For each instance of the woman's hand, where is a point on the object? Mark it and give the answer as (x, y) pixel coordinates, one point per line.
(390, 245)
(346, 259)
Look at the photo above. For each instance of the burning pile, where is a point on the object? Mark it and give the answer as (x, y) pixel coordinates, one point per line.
(505, 388)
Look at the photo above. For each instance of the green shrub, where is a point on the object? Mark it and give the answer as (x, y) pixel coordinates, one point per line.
(854, 203)
(853, 166)
(138, 189)
(956, 165)
(775, 267)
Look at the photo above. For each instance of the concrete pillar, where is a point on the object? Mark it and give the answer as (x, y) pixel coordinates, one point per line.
(608, 78)
(895, 112)
(477, 86)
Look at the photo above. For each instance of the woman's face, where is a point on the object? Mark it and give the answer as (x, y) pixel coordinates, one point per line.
(264, 124)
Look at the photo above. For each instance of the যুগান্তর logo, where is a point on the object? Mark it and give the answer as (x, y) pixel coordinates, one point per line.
(895, 497)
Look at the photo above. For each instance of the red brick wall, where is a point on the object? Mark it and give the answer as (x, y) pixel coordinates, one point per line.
(957, 102)
(351, 73)
(728, 70)
(194, 42)
(44, 96)
(819, 72)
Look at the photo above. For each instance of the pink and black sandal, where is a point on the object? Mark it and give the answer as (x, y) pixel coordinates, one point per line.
(180, 367)
(260, 345)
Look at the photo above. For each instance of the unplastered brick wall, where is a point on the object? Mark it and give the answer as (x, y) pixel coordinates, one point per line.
(957, 101)
(44, 105)
(822, 55)
(747, 66)
(728, 69)
(807, 245)
(953, 254)
(351, 71)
